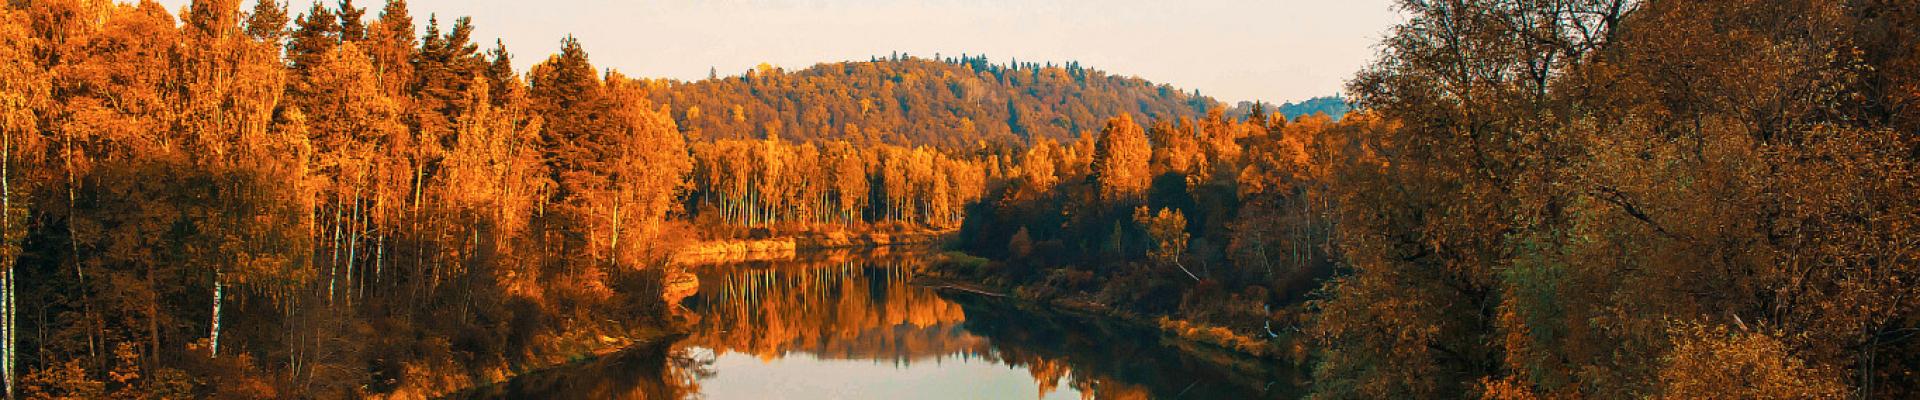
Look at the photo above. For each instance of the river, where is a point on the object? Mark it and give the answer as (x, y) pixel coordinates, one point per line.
(855, 326)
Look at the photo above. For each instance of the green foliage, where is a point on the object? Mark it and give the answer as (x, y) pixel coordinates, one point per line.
(1334, 107)
(962, 260)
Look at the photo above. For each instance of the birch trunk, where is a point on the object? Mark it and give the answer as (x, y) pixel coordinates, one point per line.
(6, 262)
(613, 246)
(219, 288)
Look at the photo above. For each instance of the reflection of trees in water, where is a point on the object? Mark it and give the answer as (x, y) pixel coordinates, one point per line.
(1114, 361)
(1048, 373)
(686, 369)
(864, 307)
(831, 307)
(655, 371)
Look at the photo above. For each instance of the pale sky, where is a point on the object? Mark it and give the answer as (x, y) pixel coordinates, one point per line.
(1232, 50)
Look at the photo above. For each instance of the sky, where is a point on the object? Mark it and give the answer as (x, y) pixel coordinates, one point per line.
(1232, 50)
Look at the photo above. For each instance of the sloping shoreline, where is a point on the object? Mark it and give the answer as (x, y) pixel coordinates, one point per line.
(1189, 332)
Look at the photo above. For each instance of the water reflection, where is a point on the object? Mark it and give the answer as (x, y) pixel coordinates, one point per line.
(829, 308)
(847, 325)
(657, 371)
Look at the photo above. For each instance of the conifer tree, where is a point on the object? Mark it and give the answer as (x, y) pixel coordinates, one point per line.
(268, 22)
(315, 33)
(353, 24)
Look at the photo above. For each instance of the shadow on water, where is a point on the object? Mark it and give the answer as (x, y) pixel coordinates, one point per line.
(1137, 359)
(655, 371)
(851, 325)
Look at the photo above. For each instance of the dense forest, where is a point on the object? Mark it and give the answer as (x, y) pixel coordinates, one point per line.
(1540, 199)
(1547, 199)
(906, 100)
(239, 205)
(337, 202)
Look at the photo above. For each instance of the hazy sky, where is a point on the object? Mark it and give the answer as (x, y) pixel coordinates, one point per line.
(1275, 50)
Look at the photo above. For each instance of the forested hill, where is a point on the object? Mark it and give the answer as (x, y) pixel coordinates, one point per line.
(912, 101)
(1333, 106)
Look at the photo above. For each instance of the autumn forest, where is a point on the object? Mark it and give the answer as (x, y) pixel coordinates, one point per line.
(1512, 200)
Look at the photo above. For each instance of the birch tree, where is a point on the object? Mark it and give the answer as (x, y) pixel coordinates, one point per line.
(23, 90)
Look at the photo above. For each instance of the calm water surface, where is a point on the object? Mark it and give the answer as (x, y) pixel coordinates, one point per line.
(854, 326)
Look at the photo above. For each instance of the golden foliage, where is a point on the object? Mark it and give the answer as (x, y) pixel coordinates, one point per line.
(1717, 362)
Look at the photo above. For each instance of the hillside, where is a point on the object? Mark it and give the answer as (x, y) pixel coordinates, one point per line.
(1332, 106)
(908, 100)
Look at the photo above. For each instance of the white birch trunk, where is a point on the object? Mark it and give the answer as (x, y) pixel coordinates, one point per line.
(613, 246)
(219, 288)
(6, 262)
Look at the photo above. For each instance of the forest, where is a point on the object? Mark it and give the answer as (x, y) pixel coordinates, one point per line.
(906, 100)
(1539, 199)
(248, 201)
(1514, 200)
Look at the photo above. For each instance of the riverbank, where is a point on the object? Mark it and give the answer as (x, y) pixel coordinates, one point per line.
(1191, 335)
(582, 348)
(638, 370)
(790, 246)
(1194, 347)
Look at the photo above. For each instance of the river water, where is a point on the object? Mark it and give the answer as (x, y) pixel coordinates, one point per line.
(855, 326)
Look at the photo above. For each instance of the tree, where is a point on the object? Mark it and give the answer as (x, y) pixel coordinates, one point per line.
(232, 87)
(1120, 157)
(566, 84)
(615, 159)
(1719, 362)
(1565, 243)
(849, 181)
(1168, 228)
(390, 41)
(446, 65)
(1021, 245)
(1038, 166)
(650, 173)
(315, 33)
(501, 78)
(353, 25)
(23, 90)
(268, 22)
(352, 120)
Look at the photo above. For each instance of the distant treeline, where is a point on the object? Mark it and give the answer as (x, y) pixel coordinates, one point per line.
(1332, 106)
(914, 101)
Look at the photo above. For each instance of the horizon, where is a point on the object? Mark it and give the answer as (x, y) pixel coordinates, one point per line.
(685, 41)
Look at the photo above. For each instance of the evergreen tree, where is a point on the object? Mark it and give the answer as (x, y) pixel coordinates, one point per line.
(502, 81)
(353, 24)
(315, 33)
(268, 22)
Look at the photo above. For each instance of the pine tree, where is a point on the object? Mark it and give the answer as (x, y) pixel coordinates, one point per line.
(502, 81)
(268, 22)
(315, 33)
(353, 24)
(565, 82)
